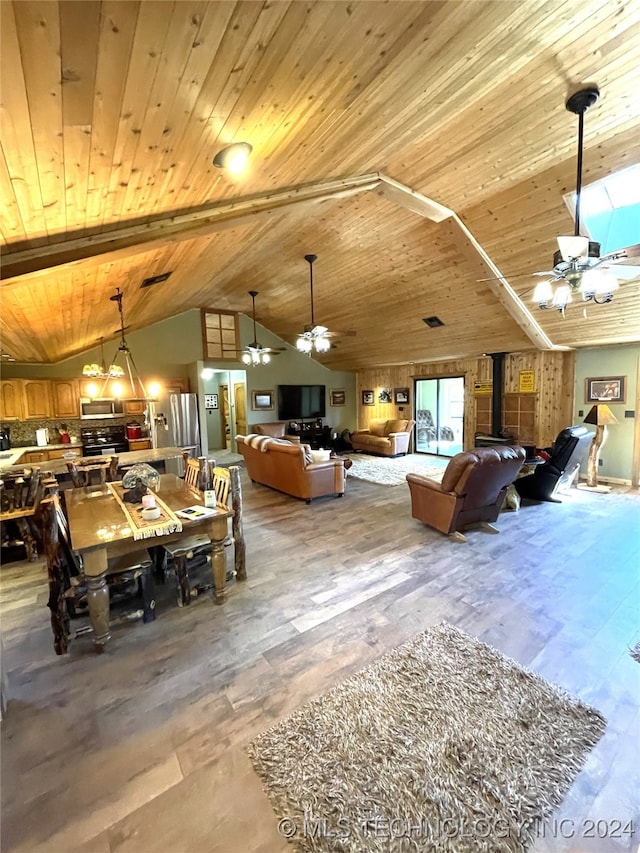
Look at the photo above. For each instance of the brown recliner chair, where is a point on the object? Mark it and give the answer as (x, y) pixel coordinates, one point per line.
(472, 490)
(275, 429)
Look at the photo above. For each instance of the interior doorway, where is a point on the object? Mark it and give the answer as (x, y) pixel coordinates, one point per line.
(240, 398)
(225, 419)
(439, 415)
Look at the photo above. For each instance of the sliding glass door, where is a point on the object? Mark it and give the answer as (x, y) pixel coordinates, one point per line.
(439, 415)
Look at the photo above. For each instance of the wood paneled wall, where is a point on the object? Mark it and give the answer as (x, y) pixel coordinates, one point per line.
(554, 388)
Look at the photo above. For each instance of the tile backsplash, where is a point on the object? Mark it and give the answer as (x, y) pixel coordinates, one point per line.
(23, 433)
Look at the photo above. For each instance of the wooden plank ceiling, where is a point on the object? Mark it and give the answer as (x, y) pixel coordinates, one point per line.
(113, 111)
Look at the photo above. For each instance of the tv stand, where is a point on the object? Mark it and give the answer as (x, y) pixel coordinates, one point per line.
(315, 434)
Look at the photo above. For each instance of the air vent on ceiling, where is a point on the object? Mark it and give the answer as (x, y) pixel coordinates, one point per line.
(432, 322)
(155, 279)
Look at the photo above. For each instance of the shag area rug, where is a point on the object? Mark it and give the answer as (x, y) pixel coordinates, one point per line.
(441, 745)
(391, 472)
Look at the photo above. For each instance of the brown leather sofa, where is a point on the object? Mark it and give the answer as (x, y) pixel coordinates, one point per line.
(472, 490)
(286, 467)
(384, 437)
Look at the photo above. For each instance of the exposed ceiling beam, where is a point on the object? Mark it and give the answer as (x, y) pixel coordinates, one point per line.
(497, 283)
(131, 240)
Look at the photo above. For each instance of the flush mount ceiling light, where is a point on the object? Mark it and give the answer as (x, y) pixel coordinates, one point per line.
(234, 157)
(577, 265)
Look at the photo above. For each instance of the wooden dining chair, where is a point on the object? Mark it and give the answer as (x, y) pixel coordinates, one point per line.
(67, 584)
(20, 493)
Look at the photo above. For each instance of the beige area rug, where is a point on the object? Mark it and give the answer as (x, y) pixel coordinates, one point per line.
(442, 745)
(392, 472)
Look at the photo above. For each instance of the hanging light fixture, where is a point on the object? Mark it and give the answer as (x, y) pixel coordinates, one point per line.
(99, 371)
(313, 337)
(254, 353)
(118, 371)
(576, 261)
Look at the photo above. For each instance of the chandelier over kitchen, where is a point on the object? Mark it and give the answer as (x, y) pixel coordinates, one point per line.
(99, 371)
(137, 389)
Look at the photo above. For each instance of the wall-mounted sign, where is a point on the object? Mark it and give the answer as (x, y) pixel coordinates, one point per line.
(483, 389)
(211, 401)
(527, 381)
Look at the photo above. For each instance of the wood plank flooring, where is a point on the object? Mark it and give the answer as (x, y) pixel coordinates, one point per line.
(141, 749)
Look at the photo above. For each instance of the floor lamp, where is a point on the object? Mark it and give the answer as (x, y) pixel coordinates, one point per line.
(601, 416)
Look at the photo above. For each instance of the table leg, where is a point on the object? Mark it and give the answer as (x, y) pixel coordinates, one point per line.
(219, 570)
(95, 569)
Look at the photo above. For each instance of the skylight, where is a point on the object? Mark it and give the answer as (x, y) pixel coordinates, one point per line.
(610, 209)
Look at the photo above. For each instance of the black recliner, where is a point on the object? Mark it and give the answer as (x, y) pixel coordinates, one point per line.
(550, 477)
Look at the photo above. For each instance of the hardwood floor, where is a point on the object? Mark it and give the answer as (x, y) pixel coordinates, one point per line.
(141, 749)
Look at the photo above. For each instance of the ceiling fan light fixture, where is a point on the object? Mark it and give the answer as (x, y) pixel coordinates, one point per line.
(573, 248)
(543, 294)
(576, 261)
(234, 157)
(322, 344)
(599, 285)
(304, 344)
(562, 297)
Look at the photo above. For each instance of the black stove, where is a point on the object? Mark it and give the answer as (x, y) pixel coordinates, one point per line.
(103, 441)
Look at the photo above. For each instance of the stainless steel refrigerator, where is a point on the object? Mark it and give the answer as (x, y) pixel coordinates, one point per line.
(177, 425)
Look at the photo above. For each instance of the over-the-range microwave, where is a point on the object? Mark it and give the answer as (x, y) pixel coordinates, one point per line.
(100, 408)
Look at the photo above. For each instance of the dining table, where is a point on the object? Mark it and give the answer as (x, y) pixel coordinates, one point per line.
(102, 525)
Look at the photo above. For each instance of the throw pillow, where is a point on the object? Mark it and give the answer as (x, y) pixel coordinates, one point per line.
(320, 455)
(306, 452)
(377, 428)
(395, 426)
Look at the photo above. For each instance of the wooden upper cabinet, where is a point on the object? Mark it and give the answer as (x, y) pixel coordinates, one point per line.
(37, 399)
(134, 407)
(64, 398)
(11, 399)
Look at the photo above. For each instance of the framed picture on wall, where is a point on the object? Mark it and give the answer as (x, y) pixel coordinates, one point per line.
(337, 397)
(261, 400)
(384, 395)
(211, 401)
(368, 398)
(605, 389)
(401, 395)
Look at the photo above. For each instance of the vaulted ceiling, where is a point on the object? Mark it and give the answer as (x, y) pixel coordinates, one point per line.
(416, 148)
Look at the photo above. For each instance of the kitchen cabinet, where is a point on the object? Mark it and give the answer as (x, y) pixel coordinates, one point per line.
(64, 453)
(37, 399)
(33, 456)
(11, 399)
(134, 407)
(64, 398)
(139, 444)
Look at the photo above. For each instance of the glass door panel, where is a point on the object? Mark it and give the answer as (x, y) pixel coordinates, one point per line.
(439, 415)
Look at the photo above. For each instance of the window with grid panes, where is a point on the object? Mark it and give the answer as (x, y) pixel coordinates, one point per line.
(220, 339)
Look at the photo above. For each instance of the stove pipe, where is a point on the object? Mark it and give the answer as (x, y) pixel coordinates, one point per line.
(496, 398)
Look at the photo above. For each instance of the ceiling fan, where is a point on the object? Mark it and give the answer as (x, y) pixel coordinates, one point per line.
(315, 336)
(255, 353)
(577, 265)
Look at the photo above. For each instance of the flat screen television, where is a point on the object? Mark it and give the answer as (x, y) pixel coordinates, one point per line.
(299, 402)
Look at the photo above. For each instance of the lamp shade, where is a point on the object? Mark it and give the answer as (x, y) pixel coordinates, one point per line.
(600, 415)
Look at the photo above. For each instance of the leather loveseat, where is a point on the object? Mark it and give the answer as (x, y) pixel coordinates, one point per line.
(384, 437)
(473, 488)
(288, 468)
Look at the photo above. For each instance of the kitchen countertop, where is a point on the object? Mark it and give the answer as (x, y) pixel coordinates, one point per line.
(10, 457)
(59, 466)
